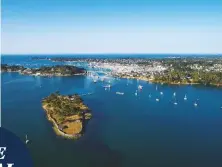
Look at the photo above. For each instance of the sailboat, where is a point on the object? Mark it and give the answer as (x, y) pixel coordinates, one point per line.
(185, 97)
(136, 93)
(26, 139)
(174, 94)
(157, 100)
(107, 86)
(161, 93)
(140, 87)
(195, 104)
(175, 103)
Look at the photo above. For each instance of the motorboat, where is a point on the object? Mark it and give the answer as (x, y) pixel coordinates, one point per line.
(185, 97)
(140, 87)
(120, 93)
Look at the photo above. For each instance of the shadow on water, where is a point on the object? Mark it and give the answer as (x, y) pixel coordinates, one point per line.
(84, 124)
(100, 154)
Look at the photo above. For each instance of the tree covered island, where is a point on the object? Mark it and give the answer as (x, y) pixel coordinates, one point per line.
(67, 113)
(58, 70)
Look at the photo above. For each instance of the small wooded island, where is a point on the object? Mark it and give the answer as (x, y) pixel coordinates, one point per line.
(67, 113)
(58, 70)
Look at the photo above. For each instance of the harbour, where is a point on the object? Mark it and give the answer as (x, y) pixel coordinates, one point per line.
(159, 130)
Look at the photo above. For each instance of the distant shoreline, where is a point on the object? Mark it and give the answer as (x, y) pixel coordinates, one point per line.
(158, 82)
(173, 70)
(45, 71)
(124, 77)
(110, 54)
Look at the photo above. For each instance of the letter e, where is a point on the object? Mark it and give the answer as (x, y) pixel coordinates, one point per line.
(2, 150)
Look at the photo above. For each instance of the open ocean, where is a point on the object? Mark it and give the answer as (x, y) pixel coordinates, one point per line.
(125, 131)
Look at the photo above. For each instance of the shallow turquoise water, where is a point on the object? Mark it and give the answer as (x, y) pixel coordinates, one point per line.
(125, 130)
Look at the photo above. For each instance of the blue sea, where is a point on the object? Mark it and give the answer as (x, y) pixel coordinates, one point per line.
(125, 131)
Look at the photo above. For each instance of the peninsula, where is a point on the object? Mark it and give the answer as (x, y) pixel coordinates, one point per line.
(67, 113)
(58, 70)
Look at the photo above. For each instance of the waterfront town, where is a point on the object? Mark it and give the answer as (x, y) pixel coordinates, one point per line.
(171, 70)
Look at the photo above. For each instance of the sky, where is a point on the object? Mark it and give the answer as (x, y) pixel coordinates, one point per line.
(111, 26)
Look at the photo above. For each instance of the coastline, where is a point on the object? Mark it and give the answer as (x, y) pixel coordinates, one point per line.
(68, 114)
(51, 75)
(167, 83)
(57, 70)
(115, 118)
(116, 76)
(44, 75)
(56, 127)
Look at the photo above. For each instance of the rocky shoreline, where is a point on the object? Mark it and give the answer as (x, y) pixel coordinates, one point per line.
(57, 129)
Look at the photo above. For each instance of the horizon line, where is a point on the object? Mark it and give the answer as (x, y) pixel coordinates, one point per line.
(44, 54)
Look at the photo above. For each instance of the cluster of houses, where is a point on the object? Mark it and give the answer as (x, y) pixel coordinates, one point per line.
(215, 67)
(132, 69)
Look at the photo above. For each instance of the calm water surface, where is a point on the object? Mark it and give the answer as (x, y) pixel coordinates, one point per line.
(125, 131)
